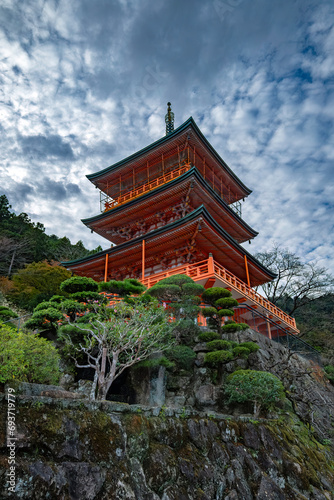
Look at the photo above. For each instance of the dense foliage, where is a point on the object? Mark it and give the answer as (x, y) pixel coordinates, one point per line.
(220, 304)
(23, 242)
(35, 283)
(27, 357)
(117, 338)
(263, 389)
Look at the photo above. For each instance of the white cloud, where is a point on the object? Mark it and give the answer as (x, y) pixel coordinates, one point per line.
(91, 80)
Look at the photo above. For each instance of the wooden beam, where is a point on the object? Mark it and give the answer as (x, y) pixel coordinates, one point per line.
(247, 273)
(210, 282)
(242, 300)
(143, 259)
(106, 267)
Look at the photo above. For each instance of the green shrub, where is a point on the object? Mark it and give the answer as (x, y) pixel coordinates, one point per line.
(214, 358)
(226, 302)
(209, 311)
(251, 346)
(329, 372)
(241, 352)
(7, 314)
(212, 294)
(219, 345)
(225, 312)
(155, 362)
(234, 327)
(182, 355)
(261, 388)
(79, 284)
(207, 336)
(27, 357)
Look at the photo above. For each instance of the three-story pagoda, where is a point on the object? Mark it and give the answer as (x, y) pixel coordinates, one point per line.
(174, 207)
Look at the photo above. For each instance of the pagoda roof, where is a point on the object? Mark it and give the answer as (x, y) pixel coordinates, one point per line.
(210, 238)
(180, 134)
(156, 200)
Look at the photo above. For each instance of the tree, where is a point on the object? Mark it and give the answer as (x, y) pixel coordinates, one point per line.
(23, 242)
(221, 304)
(261, 388)
(182, 295)
(117, 338)
(36, 282)
(297, 283)
(27, 357)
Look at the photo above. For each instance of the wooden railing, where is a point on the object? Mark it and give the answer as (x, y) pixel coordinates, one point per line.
(146, 188)
(209, 267)
(248, 292)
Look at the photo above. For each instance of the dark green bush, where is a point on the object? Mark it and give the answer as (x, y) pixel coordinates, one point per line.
(219, 345)
(6, 313)
(209, 311)
(225, 312)
(234, 327)
(241, 352)
(329, 371)
(214, 358)
(262, 388)
(207, 336)
(155, 362)
(182, 355)
(212, 294)
(79, 284)
(251, 346)
(226, 302)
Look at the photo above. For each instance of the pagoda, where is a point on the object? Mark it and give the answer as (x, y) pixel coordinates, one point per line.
(174, 207)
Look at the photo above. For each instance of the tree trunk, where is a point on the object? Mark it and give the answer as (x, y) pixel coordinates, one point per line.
(257, 409)
(11, 263)
(107, 380)
(92, 395)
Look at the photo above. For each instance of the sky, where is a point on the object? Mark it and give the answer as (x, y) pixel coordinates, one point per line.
(85, 84)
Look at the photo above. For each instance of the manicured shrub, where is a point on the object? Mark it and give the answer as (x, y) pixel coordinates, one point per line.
(219, 345)
(227, 302)
(251, 346)
(225, 312)
(215, 358)
(261, 388)
(234, 327)
(241, 352)
(212, 294)
(182, 355)
(154, 363)
(207, 336)
(79, 284)
(209, 311)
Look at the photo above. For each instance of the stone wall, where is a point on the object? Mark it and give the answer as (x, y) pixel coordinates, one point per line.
(75, 450)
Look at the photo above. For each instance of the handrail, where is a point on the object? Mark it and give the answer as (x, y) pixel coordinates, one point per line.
(146, 188)
(240, 286)
(202, 269)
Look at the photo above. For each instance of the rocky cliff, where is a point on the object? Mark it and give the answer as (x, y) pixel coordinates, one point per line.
(71, 449)
(179, 443)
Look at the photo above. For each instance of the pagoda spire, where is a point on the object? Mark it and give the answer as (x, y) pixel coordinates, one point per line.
(169, 119)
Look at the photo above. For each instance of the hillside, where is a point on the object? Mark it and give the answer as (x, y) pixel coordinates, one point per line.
(23, 242)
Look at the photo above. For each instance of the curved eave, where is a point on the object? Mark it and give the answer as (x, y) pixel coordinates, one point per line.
(174, 182)
(200, 211)
(190, 122)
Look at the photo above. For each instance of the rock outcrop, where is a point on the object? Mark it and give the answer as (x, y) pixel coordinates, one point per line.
(75, 450)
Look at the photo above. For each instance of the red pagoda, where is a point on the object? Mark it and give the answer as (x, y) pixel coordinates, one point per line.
(174, 207)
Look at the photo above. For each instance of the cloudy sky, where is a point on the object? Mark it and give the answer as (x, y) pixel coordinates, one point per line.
(85, 83)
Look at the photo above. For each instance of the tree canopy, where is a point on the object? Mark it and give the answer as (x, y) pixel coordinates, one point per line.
(27, 357)
(297, 282)
(23, 242)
